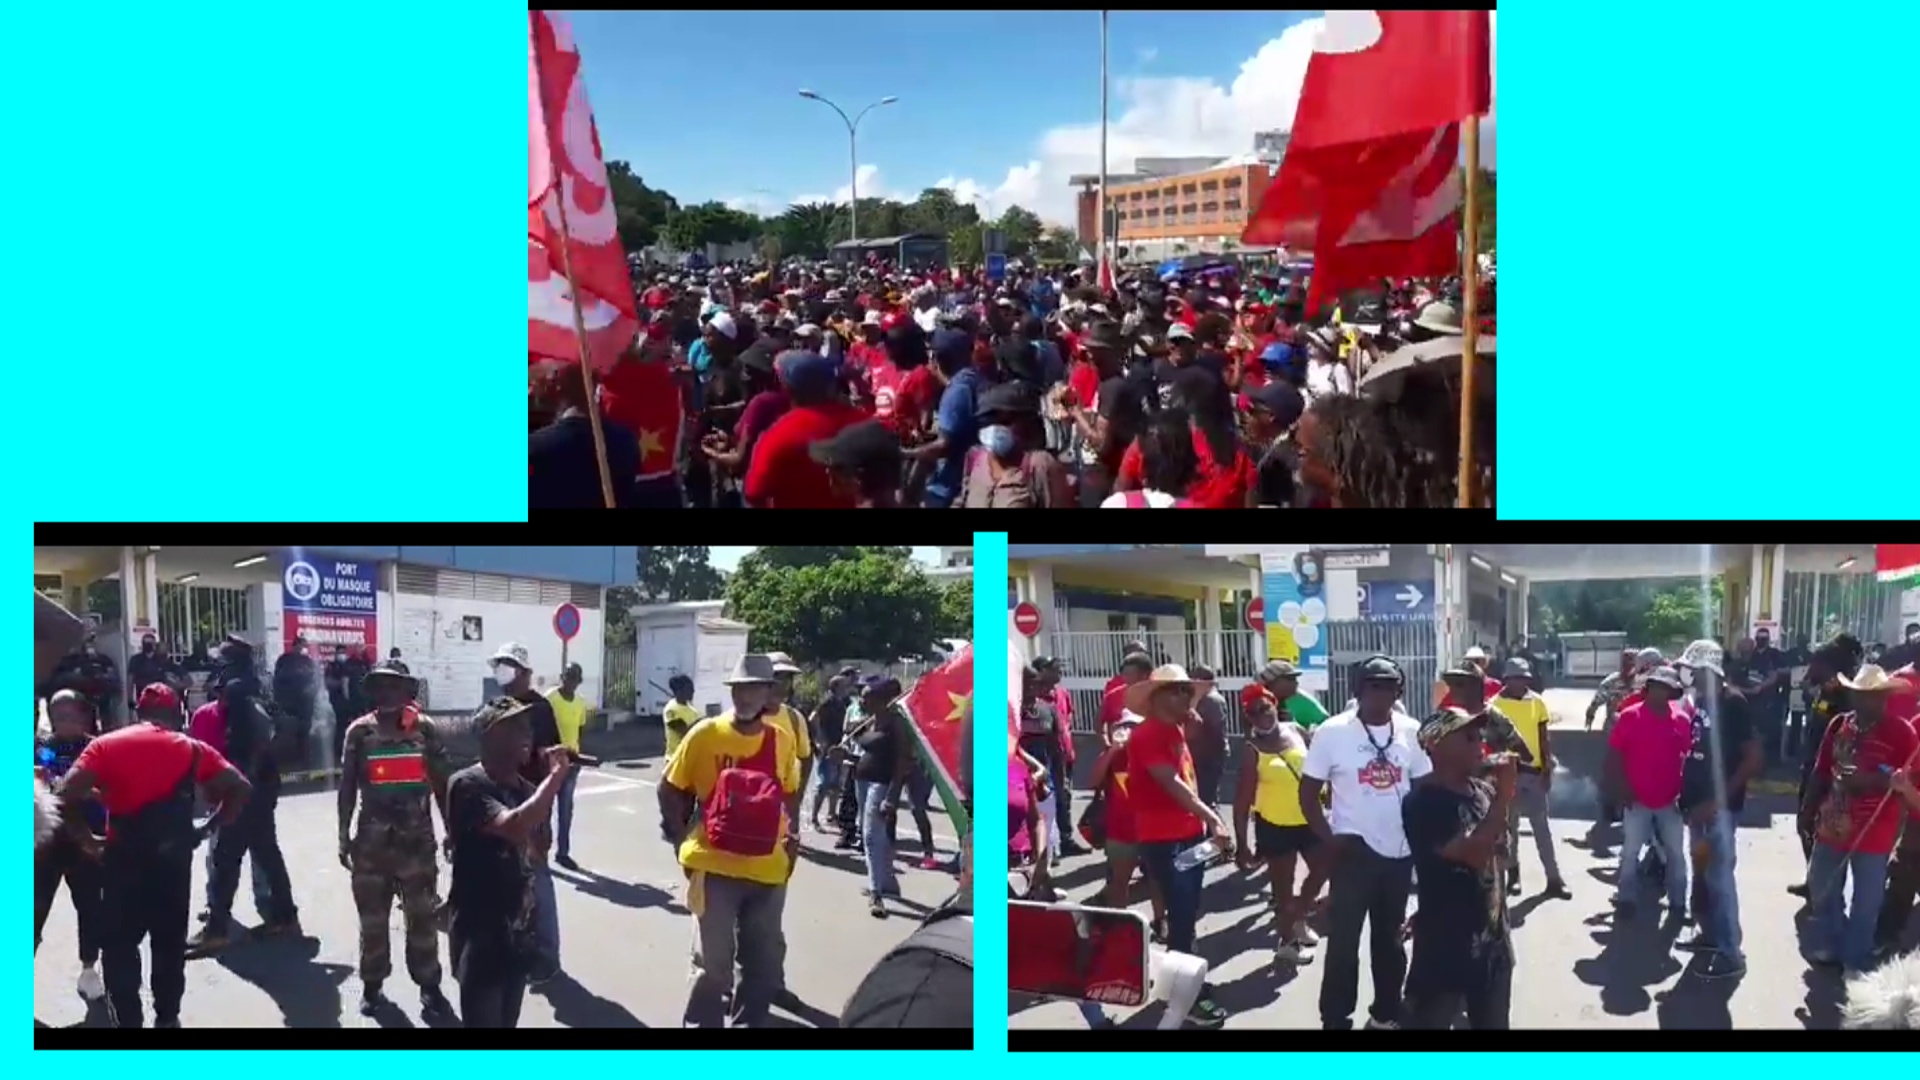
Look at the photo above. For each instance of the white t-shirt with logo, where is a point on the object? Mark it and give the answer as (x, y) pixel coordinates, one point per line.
(1368, 784)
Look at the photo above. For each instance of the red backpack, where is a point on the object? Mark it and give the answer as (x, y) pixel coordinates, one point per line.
(742, 815)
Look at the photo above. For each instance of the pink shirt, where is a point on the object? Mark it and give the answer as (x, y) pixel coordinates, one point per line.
(209, 725)
(1653, 747)
(1063, 703)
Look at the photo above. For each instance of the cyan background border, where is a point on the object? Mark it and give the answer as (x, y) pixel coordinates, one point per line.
(989, 800)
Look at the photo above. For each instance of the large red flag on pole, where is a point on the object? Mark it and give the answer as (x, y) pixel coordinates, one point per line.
(938, 704)
(1896, 562)
(1370, 180)
(573, 239)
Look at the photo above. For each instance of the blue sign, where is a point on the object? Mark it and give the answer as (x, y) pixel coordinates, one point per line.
(335, 586)
(1296, 613)
(996, 268)
(1396, 601)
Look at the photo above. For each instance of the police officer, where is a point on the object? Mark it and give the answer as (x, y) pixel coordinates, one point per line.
(295, 691)
(150, 666)
(94, 675)
(394, 767)
(148, 864)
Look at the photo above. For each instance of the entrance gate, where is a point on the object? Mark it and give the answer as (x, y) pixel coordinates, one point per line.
(1409, 642)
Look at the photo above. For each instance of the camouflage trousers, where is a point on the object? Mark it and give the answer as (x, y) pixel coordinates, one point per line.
(381, 874)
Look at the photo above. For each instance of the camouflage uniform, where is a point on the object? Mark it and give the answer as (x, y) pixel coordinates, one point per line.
(392, 849)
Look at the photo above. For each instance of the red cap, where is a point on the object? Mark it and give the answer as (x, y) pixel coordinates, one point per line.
(1252, 693)
(158, 697)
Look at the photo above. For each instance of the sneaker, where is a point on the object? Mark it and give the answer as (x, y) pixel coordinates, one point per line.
(206, 943)
(1206, 1014)
(371, 999)
(434, 1003)
(930, 863)
(876, 907)
(1304, 935)
(1558, 890)
(1293, 953)
(566, 861)
(91, 986)
(1374, 1024)
(1698, 941)
(1069, 848)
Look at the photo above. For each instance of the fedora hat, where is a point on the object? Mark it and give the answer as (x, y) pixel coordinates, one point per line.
(1164, 675)
(392, 669)
(1873, 679)
(782, 664)
(751, 668)
(1666, 677)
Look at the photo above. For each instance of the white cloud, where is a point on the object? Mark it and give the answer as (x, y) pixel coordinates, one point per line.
(1156, 116)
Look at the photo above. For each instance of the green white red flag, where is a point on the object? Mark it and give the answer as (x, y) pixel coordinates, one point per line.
(938, 705)
(1896, 562)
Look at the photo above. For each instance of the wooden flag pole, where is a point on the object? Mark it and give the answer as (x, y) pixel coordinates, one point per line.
(586, 365)
(1469, 315)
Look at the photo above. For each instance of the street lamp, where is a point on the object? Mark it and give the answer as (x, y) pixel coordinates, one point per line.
(853, 155)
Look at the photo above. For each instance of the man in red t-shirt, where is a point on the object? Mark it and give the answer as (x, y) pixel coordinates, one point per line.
(783, 473)
(1169, 818)
(145, 775)
(1855, 819)
(1113, 701)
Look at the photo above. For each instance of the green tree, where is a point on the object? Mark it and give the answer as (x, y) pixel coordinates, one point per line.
(806, 229)
(824, 604)
(666, 575)
(956, 611)
(640, 210)
(964, 245)
(1057, 244)
(1023, 229)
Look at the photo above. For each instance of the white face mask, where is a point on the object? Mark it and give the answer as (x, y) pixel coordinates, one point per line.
(505, 673)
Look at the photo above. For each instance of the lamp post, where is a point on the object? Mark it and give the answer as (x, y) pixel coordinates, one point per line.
(853, 155)
(1105, 269)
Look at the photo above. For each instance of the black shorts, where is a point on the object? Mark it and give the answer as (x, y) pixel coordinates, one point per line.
(1273, 841)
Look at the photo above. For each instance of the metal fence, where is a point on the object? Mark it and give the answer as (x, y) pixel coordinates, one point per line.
(193, 617)
(1817, 606)
(1410, 644)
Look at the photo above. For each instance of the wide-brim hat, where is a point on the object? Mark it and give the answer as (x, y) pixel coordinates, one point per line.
(1445, 722)
(1279, 669)
(1667, 677)
(1439, 317)
(1163, 676)
(512, 653)
(1704, 655)
(1517, 668)
(1873, 679)
(783, 664)
(753, 668)
(1475, 653)
(1461, 673)
(392, 669)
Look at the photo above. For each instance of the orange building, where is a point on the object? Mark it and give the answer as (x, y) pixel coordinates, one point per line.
(1197, 211)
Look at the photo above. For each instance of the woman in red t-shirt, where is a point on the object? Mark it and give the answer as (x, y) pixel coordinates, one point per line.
(1226, 476)
(1110, 779)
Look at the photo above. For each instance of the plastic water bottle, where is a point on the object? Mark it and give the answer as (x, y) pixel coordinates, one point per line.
(1199, 855)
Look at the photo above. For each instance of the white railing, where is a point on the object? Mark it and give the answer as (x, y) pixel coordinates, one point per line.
(1232, 654)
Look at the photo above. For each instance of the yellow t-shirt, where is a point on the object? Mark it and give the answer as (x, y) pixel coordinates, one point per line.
(687, 715)
(1527, 715)
(1276, 798)
(710, 746)
(571, 716)
(790, 720)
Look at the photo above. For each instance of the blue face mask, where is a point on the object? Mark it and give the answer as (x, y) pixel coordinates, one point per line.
(998, 439)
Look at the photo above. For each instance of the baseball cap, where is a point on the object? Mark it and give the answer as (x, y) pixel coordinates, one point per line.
(496, 712)
(1280, 399)
(855, 446)
(803, 368)
(1445, 722)
(158, 697)
(723, 324)
(1179, 332)
(952, 347)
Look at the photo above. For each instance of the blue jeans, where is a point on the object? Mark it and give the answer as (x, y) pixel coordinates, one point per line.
(1641, 825)
(563, 836)
(1837, 930)
(546, 924)
(876, 835)
(1180, 889)
(1721, 920)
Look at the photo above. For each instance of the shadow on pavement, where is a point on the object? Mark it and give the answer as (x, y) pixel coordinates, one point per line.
(1698, 1004)
(790, 1003)
(306, 991)
(575, 1006)
(1634, 955)
(627, 894)
(850, 861)
(1820, 1011)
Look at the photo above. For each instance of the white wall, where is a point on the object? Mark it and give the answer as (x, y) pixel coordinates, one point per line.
(429, 633)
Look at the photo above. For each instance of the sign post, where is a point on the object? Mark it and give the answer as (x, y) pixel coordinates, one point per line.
(566, 626)
(1026, 619)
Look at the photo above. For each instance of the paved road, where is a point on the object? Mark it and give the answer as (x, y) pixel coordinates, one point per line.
(1575, 967)
(625, 933)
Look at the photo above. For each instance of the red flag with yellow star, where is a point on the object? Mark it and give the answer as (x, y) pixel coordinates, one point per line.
(938, 703)
(643, 396)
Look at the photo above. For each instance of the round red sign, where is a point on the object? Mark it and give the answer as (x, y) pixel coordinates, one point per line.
(1256, 615)
(1026, 619)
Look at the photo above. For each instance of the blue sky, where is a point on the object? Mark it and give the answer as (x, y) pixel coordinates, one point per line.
(726, 558)
(1002, 106)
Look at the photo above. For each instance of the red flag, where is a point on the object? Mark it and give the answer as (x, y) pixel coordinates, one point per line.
(642, 396)
(1896, 562)
(938, 703)
(1370, 179)
(564, 162)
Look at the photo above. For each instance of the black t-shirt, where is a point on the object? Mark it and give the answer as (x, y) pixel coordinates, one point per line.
(878, 749)
(492, 891)
(1276, 469)
(830, 723)
(563, 471)
(1461, 928)
(1761, 667)
(1731, 715)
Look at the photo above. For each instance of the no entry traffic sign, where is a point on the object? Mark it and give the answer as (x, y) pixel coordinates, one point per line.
(1026, 619)
(566, 621)
(1256, 615)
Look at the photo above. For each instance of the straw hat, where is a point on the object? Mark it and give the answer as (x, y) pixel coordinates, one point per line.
(1873, 679)
(1163, 676)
